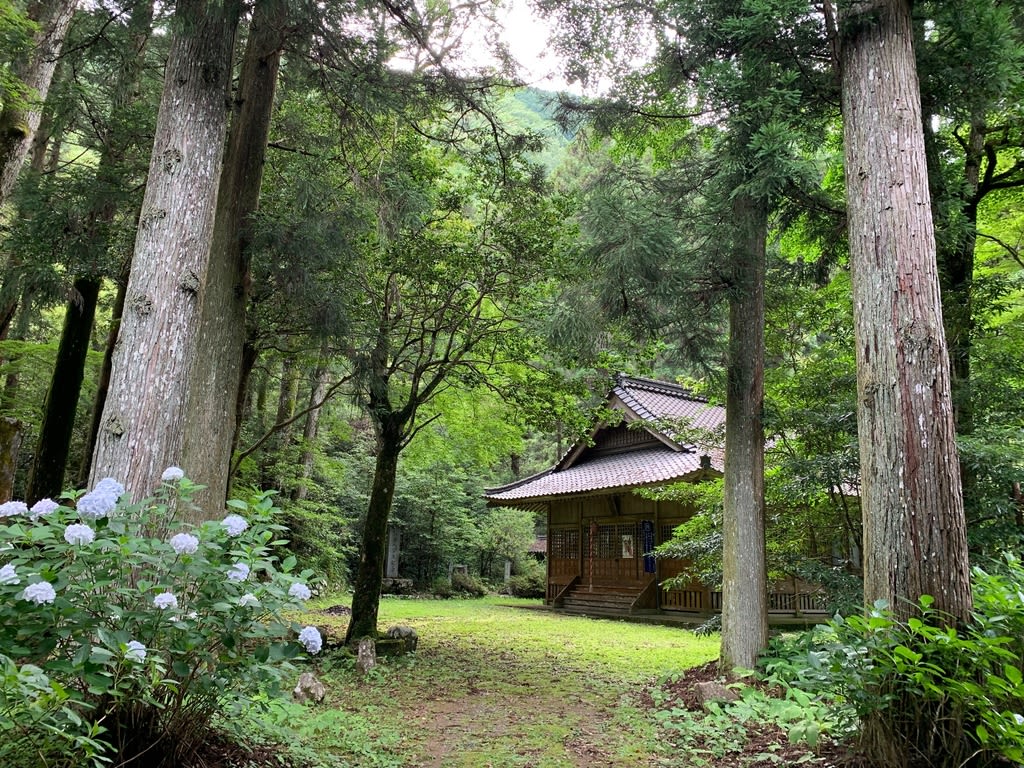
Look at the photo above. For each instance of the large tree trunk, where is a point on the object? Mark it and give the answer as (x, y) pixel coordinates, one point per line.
(51, 457)
(211, 425)
(914, 532)
(370, 574)
(744, 587)
(66, 382)
(142, 431)
(20, 118)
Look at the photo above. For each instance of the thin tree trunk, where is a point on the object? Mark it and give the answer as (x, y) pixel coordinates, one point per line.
(321, 378)
(744, 587)
(914, 531)
(142, 431)
(11, 431)
(20, 118)
(103, 382)
(51, 457)
(212, 421)
(370, 573)
(275, 458)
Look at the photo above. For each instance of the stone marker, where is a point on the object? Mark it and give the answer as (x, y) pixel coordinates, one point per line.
(366, 656)
(309, 689)
(406, 634)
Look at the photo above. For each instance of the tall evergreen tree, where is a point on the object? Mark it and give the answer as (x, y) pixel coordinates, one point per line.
(914, 531)
(142, 430)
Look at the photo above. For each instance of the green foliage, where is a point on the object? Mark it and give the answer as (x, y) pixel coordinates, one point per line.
(144, 627)
(531, 581)
(923, 668)
(467, 585)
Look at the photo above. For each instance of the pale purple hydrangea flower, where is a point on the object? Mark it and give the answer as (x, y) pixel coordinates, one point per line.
(96, 504)
(234, 524)
(172, 475)
(109, 486)
(79, 534)
(184, 543)
(8, 575)
(311, 640)
(135, 651)
(39, 593)
(248, 599)
(165, 600)
(300, 591)
(12, 508)
(42, 507)
(238, 572)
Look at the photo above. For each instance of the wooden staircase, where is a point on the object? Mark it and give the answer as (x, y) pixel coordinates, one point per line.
(600, 601)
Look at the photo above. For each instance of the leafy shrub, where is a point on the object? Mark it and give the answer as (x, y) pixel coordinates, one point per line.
(533, 582)
(138, 626)
(464, 583)
(442, 587)
(917, 671)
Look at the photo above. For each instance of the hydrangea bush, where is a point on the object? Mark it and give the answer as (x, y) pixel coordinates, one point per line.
(123, 630)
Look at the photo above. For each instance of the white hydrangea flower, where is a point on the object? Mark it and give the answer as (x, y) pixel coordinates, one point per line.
(165, 600)
(39, 593)
(238, 572)
(135, 651)
(12, 508)
(235, 524)
(109, 486)
(42, 507)
(184, 543)
(8, 575)
(172, 475)
(96, 504)
(79, 534)
(311, 640)
(1019, 718)
(248, 599)
(300, 591)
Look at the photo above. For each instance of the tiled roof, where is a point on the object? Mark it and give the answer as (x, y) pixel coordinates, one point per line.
(620, 470)
(653, 400)
(582, 470)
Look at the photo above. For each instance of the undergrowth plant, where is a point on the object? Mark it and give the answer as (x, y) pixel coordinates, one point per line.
(868, 665)
(123, 631)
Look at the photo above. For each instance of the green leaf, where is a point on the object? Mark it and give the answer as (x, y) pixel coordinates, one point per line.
(289, 563)
(237, 504)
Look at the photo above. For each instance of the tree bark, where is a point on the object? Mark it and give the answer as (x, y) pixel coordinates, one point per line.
(20, 118)
(370, 574)
(744, 580)
(11, 431)
(142, 430)
(211, 421)
(51, 457)
(54, 442)
(914, 531)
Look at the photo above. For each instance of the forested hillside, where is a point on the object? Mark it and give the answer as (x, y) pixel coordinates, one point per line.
(308, 250)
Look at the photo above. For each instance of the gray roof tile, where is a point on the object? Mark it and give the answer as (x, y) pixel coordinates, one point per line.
(648, 400)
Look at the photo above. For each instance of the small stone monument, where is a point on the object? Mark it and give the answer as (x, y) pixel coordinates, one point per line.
(406, 634)
(366, 655)
(309, 689)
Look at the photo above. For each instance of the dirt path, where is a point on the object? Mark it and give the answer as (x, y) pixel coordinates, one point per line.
(505, 688)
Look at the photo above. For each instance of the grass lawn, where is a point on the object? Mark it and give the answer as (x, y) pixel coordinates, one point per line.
(494, 683)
